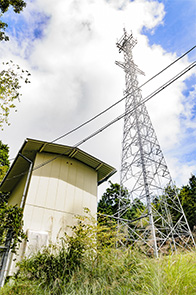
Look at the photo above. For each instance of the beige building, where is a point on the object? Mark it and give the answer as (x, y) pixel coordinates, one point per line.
(52, 183)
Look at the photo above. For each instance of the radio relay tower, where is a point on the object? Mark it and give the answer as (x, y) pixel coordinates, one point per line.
(160, 223)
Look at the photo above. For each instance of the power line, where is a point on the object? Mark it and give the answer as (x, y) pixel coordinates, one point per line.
(110, 107)
(158, 90)
(142, 102)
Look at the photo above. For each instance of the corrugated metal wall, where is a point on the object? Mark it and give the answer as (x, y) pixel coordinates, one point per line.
(57, 192)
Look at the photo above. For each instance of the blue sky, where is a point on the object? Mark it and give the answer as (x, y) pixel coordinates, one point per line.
(69, 48)
(22, 27)
(178, 32)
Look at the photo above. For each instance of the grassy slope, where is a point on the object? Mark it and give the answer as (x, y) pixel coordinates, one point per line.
(88, 263)
(120, 273)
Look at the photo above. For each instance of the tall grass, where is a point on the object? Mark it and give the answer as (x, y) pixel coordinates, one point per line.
(88, 263)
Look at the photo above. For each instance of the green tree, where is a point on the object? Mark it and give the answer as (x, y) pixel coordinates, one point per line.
(10, 216)
(17, 5)
(10, 78)
(10, 74)
(109, 204)
(11, 220)
(4, 160)
(187, 197)
(188, 200)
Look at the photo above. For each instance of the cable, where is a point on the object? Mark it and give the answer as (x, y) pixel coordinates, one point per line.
(142, 102)
(158, 90)
(107, 109)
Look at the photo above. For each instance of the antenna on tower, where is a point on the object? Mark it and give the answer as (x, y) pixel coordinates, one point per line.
(160, 223)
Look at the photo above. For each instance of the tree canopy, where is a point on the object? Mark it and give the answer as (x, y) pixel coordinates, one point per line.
(17, 5)
(11, 221)
(10, 74)
(10, 216)
(188, 200)
(109, 204)
(10, 78)
(4, 160)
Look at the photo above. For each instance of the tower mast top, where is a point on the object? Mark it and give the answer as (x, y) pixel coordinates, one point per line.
(145, 174)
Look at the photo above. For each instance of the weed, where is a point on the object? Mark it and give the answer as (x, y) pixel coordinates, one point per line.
(87, 262)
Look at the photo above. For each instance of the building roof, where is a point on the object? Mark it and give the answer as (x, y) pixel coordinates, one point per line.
(31, 147)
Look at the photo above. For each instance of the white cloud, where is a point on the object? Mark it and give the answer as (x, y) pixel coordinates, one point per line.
(74, 75)
(189, 119)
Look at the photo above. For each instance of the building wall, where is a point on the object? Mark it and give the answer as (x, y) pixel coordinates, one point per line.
(16, 196)
(57, 192)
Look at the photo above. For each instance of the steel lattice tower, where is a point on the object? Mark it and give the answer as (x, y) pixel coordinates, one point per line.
(145, 174)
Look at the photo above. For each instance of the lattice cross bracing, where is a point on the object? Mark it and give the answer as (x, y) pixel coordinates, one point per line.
(161, 222)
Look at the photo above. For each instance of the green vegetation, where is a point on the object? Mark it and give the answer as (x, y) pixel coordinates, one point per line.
(11, 223)
(88, 263)
(4, 160)
(10, 77)
(10, 216)
(17, 6)
(188, 200)
(10, 74)
(109, 203)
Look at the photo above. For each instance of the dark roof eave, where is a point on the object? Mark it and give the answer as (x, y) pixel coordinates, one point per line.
(107, 177)
(29, 149)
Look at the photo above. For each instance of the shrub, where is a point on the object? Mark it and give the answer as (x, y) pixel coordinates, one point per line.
(87, 262)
